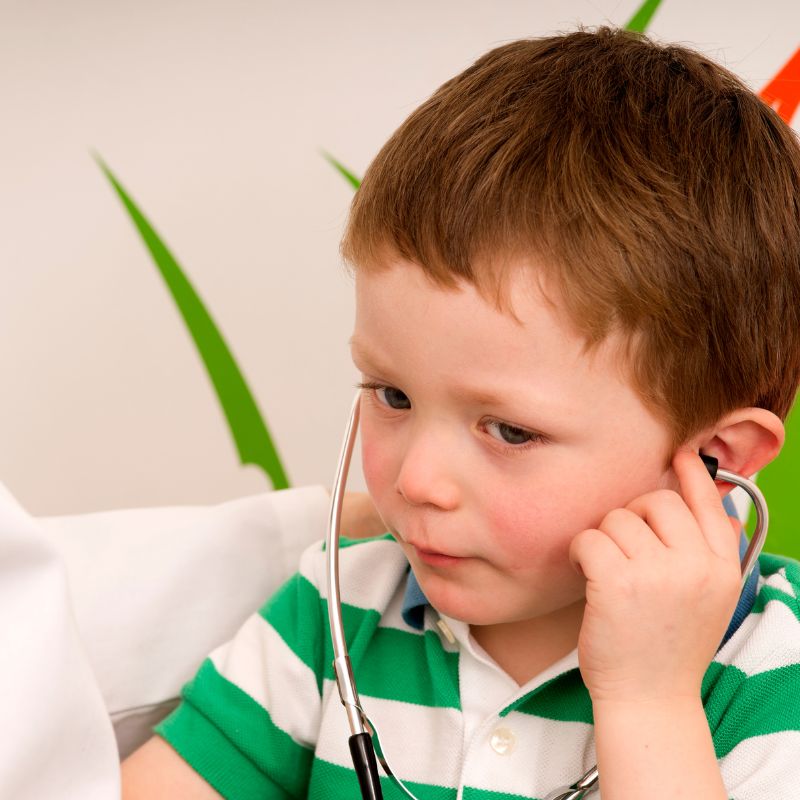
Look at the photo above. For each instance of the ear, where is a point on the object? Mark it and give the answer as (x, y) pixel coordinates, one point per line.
(743, 441)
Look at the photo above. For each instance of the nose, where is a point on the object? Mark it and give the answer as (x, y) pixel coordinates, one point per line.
(428, 474)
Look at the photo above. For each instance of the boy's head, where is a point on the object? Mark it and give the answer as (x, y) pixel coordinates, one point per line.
(577, 255)
(644, 185)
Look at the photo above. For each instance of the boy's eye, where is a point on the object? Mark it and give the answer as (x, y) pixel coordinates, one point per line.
(393, 398)
(510, 434)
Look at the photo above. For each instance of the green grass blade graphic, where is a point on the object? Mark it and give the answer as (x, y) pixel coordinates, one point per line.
(641, 19)
(342, 170)
(778, 481)
(250, 433)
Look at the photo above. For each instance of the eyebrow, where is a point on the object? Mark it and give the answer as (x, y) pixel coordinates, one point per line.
(475, 396)
(364, 355)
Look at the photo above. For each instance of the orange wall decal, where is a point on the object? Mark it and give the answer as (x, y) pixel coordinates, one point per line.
(783, 91)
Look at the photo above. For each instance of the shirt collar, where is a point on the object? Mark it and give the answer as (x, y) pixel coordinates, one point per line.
(414, 602)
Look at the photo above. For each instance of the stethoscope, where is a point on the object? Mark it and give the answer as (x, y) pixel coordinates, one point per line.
(362, 748)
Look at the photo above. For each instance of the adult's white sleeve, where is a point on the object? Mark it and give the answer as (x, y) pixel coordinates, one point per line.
(56, 736)
(154, 590)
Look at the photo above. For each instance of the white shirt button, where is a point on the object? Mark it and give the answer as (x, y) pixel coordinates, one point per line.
(503, 741)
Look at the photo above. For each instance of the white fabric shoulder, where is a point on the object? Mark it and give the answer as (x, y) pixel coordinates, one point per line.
(58, 740)
(156, 589)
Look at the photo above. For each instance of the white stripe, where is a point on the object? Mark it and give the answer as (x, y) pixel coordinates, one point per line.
(421, 743)
(368, 573)
(262, 665)
(764, 641)
(763, 767)
(424, 745)
(546, 755)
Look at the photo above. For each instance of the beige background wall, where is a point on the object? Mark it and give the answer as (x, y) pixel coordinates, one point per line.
(212, 114)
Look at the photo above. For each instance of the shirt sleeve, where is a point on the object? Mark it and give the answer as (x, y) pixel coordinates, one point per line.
(248, 721)
(753, 695)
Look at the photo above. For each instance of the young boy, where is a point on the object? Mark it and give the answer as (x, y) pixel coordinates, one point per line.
(577, 266)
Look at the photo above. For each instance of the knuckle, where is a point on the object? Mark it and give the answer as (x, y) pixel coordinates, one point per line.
(667, 496)
(616, 516)
(582, 540)
(656, 497)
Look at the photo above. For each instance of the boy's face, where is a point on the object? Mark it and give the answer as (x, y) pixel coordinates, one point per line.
(484, 513)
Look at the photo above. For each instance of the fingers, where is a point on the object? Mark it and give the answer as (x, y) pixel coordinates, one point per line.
(593, 554)
(630, 532)
(693, 522)
(669, 518)
(702, 498)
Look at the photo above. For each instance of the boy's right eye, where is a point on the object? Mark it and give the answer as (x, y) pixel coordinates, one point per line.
(393, 398)
(388, 396)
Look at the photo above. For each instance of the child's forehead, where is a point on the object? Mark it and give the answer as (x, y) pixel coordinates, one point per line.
(507, 283)
(474, 326)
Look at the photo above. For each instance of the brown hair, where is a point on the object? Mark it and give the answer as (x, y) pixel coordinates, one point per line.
(655, 192)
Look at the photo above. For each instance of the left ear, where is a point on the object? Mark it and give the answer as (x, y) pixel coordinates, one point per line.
(744, 441)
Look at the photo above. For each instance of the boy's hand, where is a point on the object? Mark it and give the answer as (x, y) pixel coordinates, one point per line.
(663, 580)
(360, 518)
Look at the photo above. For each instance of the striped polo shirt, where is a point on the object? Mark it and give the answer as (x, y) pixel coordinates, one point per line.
(262, 718)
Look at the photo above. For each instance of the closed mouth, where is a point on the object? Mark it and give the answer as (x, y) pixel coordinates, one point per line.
(435, 559)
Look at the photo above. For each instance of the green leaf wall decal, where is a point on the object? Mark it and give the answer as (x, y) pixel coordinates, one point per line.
(250, 433)
(638, 23)
(342, 170)
(778, 482)
(641, 19)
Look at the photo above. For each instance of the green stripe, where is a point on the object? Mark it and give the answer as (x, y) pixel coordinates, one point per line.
(422, 671)
(233, 743)
(294, 613)
(764, 703)
(769, 594)
(793, 573)
(485, 794)
(330, 780)
(769, 564)
(564, 698)
(409, 668)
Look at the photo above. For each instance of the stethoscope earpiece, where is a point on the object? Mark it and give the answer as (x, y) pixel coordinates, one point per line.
(712, 464)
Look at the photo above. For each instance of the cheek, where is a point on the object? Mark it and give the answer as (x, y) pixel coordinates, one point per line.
(528, 528)
(375, 463)
(517, 522)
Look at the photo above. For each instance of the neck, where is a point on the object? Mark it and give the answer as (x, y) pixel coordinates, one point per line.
(525, 648)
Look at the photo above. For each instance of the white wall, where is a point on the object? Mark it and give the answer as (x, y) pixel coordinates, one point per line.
(212, 114)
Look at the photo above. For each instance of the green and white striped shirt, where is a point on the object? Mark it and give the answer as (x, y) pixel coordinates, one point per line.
(262, 718)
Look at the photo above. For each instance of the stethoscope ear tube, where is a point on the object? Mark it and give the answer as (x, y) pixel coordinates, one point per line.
(756, 543)
(361, 747)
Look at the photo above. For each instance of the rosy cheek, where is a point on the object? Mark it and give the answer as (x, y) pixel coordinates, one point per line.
(515, 522)
(528, 529)
(375, 463)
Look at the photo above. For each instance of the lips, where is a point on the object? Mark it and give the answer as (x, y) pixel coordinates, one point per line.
(436, 559)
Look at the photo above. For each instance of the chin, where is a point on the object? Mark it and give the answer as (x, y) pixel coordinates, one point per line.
(472, 607)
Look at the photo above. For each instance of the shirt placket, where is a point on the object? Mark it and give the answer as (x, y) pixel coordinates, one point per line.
(491, 742)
